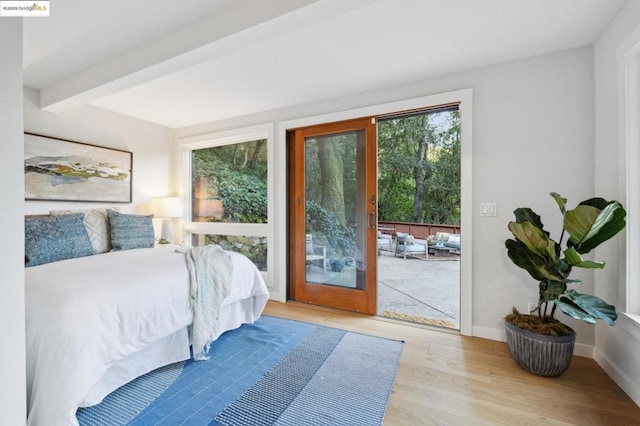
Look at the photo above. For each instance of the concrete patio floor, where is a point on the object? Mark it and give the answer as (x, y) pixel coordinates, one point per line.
(411, 289)
(424, 291)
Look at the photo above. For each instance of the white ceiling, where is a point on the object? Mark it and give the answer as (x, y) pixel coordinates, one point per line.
(178, 65)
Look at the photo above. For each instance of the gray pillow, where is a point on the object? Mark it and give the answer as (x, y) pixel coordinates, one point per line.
(130, 231)
(52, 238)
(97, 224)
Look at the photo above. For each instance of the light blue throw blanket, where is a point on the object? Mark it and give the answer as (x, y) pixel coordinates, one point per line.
(210, 271)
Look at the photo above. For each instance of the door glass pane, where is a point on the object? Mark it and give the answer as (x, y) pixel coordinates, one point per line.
(335, 209)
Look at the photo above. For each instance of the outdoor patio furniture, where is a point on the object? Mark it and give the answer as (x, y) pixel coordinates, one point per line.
(441, 251)
(453, 242)
(384, 241)
(407, 245)
(316, 253)
(446, 239)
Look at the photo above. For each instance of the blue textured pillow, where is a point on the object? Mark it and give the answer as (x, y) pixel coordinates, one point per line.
(52, 238)
(130, 231)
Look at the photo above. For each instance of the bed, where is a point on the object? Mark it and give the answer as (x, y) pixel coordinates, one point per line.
(95, 322)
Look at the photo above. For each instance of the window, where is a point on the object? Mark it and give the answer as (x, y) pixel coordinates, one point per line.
(632, 140)
(230, 183)
(254, 247)
(628, 55)
(226, 182)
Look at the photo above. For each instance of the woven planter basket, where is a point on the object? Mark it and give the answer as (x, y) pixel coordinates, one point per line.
(539, 354)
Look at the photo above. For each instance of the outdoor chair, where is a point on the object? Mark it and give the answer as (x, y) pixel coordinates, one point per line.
(453, 242)
(316, 253)
(445, 239)
(384, 241)
(407, 245)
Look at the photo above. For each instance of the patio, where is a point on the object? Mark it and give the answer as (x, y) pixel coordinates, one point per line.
(411, 289)
(418, 290)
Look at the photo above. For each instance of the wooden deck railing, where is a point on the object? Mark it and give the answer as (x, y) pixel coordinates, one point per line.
(418, 230)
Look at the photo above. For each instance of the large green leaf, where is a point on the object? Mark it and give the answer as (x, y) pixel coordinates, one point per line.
(562, 202)
(609, 222)
(525, 214)
(597, 202)
(531, 262)
(574, 311)
(574, 259)
(588, 226)
(534, 238)
(550, 290)
(587, 308)
(578, 222)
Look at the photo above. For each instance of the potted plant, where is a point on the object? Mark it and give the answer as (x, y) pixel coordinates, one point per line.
(336, 262)
(538, 342)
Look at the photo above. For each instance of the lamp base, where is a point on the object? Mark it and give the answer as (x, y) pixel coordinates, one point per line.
(167, 230)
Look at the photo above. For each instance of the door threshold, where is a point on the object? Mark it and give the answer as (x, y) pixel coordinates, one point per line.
(375, 317)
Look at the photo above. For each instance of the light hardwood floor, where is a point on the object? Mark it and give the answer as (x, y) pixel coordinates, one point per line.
(448, 379)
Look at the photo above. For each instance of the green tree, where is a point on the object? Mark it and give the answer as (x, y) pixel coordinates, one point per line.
(330, 190)
(442, 202)
(419, 168)
(396, 173)
(330, 152)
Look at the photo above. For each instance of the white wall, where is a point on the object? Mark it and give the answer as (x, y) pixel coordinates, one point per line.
(12, 327)
(532, 134)
(151, 144)
(617, 348)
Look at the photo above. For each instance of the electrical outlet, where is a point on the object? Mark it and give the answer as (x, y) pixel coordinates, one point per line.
(532, 306)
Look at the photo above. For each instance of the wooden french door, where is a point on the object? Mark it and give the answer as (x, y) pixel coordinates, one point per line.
(332, 215)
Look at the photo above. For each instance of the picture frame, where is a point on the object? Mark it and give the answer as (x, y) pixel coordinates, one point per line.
(63, 170)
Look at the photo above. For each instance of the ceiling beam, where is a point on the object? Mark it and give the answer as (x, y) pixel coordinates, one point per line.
(241, 24)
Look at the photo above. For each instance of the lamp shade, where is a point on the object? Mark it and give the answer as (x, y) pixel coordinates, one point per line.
(166, 207)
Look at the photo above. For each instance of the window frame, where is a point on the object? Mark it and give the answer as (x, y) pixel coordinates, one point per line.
(212, 140)
(628, 55)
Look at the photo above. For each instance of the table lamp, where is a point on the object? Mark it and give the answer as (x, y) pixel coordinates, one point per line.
(166, 208)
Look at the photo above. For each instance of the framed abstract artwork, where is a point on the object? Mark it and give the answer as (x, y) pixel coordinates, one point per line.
(62, 170)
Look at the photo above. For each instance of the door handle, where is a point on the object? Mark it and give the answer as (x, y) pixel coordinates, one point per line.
(372, 220)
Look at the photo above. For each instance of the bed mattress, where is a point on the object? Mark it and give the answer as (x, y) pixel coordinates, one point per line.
(96, 322)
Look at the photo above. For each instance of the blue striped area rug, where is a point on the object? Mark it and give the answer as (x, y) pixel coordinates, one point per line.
(273, 372)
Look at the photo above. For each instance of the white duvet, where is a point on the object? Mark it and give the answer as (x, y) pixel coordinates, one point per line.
(83, 315)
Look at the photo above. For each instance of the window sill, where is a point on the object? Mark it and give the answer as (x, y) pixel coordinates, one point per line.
(630, 323)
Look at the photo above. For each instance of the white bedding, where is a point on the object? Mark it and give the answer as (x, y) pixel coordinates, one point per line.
(88, 315)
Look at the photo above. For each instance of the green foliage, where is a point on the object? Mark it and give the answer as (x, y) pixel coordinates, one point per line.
(322, 222)
(591, 223)
(439, 170)
(244, 198)
(237, 175)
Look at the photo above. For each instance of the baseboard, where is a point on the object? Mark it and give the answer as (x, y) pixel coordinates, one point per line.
(583, 350)
(499, 335)
(274, 294)
(489, 333)
(621, 379)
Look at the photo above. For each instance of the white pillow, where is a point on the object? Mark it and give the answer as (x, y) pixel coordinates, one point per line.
(96, 223)
(442, 236)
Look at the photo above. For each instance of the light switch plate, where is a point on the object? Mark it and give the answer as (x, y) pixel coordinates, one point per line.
(488, 209)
